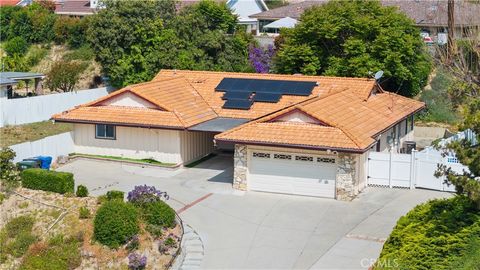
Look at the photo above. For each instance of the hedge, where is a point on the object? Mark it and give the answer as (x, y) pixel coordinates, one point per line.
(115, 223)
(59, 182)
(159, 213)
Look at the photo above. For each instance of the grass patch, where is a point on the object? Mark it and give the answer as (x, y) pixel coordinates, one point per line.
(16, 237)
(11, 135)
(434, 235)
(205, 158)
(84, 53)
(140, 161)
(59, 253)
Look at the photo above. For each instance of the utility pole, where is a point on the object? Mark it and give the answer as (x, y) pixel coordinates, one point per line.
(451, 31)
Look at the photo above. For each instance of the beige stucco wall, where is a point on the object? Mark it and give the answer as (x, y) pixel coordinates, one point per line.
(170, 146)
(396, 145)
(128, 99)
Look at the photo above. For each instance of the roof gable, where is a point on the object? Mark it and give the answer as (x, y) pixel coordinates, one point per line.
(128, 99)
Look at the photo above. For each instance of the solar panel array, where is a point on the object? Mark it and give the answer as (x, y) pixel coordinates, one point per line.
(242, 93)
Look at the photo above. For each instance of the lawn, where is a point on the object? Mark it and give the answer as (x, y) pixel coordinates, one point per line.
(145, 160)
(11, 135)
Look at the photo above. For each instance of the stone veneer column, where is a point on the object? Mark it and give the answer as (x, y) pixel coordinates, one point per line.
(240, 167)
(346, 177)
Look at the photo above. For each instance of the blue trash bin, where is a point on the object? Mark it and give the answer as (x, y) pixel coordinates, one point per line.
(46, 161)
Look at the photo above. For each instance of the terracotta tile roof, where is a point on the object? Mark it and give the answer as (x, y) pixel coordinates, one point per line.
(121, 116)
(352, 121)
(206, 81)
(8, 2)
(173, 95)
(424, 12)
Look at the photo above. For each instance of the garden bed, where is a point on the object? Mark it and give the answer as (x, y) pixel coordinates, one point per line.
(60, 239)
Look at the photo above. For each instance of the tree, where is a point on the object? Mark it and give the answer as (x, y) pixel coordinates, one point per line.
(467, 183)
(64, 75)
(16, 46)
(261, 59)
(133, 40)
(9, 175)
(356, 38)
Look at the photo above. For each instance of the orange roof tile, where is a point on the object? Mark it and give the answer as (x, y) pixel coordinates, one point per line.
(206, 81)
(130, 116)
(356, 122)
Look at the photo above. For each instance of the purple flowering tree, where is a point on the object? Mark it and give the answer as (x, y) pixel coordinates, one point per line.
(136, 261)
(261, 58)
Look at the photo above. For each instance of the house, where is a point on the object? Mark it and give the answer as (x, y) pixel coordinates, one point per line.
(76, 8)
(9, 79)
(429, 16)
(243, 9)
(294, 134)
(20, 3)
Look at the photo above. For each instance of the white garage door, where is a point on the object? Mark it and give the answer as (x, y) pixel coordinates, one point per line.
(291, 173)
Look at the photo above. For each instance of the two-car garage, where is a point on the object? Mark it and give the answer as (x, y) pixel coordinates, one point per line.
(291, 173)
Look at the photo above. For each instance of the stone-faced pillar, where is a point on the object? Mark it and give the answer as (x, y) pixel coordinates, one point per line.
(38, 86)
(346, 177)
(240, 167)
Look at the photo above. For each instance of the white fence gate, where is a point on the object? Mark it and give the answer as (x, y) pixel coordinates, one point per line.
(54, 146)
(40, 108)
(414, 170)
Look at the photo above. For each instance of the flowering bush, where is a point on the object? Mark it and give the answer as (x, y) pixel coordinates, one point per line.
(9, 175)
(136, 261)
(142, 195)
(260, 58)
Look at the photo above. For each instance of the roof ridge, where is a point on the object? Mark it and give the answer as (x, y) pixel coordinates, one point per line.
(264, 74)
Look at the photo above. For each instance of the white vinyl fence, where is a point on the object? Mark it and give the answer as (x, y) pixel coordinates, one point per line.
(54, 146)
(414, 170)
(40, 108)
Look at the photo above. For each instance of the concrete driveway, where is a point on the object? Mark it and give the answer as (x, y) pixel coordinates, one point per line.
(264, 231)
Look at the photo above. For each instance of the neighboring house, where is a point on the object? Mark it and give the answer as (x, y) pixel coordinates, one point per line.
(245, 8)
(76, 8)
(304, 135)
(9, 79)
(429, 16)
(20, 3)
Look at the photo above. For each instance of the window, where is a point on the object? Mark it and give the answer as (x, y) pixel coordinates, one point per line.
(406, 126)
(105, 131)
(303, 158)
(282, 156)
(412, 122)
(261, 155)
(378, 146)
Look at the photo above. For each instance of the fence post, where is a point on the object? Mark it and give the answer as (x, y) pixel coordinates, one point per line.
(413, 167)
(390, 169)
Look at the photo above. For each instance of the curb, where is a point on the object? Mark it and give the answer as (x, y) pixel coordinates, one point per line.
(192, 251)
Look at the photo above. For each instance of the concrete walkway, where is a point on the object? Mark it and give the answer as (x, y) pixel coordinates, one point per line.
(259, 230)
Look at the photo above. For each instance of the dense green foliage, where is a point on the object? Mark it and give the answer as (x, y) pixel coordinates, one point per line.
(357, 38)
(133, 40)
(439, 106)
(158, 213)
(115, 195)
(39, 179)
(434, 235)
(115, 222)
(60, 253)
(16, 237)
(9, 174)
(71, 31)
(82, 191)
(16, 46)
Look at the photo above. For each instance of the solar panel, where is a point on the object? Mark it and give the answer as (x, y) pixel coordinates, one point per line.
(237, 95)
(267, 97)
(243, 104)
(238, 91)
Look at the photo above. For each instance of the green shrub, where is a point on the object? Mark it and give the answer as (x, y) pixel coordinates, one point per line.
(35, 55)
(19, 225)
(60, 253)
(19, 246)
(83, 212)
(82, 191)
(2, 197)
(115, 195)
(115, 223)
(432, 235)
(159, 213)
(16, 45)
(59, 182)
(154, 230)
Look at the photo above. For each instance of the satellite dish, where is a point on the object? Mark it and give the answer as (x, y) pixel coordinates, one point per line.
(378, 75)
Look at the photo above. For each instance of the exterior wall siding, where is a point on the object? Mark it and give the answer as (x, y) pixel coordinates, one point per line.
(130, 142)
(396, 145)
(195, 145)
(129, 100)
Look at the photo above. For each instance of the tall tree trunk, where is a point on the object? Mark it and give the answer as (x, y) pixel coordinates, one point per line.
(451, 31)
